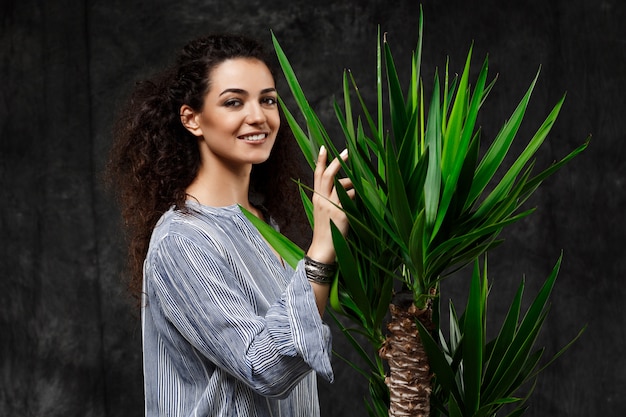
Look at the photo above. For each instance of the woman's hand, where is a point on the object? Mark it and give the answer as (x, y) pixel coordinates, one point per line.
(326, 207)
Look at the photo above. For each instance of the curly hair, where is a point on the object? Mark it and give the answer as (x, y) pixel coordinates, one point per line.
(154, 158)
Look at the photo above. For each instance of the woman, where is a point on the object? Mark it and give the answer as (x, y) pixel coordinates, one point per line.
(228, 328)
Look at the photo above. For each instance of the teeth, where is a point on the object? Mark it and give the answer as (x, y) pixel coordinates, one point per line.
(254, 137)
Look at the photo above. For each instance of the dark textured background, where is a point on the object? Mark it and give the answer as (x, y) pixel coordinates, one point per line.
(70, 343)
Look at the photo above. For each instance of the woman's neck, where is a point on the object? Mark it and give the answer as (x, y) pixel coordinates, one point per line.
(219, 186)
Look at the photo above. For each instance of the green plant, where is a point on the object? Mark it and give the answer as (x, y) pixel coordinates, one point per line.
(427, 204)
(474, 378)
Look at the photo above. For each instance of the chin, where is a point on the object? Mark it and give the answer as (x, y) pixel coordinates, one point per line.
(258, 161)
(260, 157)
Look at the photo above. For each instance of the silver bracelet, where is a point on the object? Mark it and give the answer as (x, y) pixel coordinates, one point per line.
(319, 272)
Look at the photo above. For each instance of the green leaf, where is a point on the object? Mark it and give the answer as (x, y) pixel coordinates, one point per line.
(438, 363)
(316, 130)
(465, 180)
(433, 139)
(379, 86)
(333, 297)
(417, 247)
(409, 150)
(506, 334)
(454, 408)
(539, 304)
(500, 146)
(307, 147)
(455, 331)
(560, 352)
(473, 346)
(400, 210)
(509, 371)
(490, 409)
(517, 413)
(288, 250)
(519, 349)
(507, 181)
(466, 240)
(384, 299)
(397, 110)
(350, 308)
(416, 65)
(415, 183)
(536, 181)
(376, 135)
(367, 237)
(347, 105)
(529, 365)
(306, 203)
(380, 395)
(356, 346)
(353, 279)
(458, 138)
(509, 202)
(461, 258)
(452, 143)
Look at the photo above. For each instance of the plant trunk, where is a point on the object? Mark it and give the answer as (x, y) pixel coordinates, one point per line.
(409, 378)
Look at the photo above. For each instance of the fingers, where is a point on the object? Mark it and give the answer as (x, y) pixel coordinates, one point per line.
(327, 206)
(351, 193)
(346, 183)
(319, 168)
(335, 165)
(324, 176)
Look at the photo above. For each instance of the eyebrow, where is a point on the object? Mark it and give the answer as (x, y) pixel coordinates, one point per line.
(244, 92)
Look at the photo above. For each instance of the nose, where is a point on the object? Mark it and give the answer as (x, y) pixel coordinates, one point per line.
(256, 114)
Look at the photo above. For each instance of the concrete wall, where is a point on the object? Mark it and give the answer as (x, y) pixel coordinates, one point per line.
(70, 338)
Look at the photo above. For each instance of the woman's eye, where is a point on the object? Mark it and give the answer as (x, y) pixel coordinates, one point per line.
(232, 103)
(270, 101)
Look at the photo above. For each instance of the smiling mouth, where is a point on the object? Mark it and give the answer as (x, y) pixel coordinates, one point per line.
(254, 138)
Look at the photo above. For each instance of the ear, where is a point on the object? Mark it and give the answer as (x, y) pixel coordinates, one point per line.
(189, 120)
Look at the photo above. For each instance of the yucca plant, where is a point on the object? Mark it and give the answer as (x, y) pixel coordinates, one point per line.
(427, 204)
(475, 378)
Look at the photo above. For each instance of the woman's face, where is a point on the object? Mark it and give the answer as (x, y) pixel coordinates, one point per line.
(239, 120)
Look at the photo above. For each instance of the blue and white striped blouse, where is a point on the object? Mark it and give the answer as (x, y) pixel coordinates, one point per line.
(227, 329)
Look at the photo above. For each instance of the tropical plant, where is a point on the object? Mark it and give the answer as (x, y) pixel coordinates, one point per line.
(427, 204)
(476, 378)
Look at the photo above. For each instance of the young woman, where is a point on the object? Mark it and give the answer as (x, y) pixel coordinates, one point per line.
(228, 328)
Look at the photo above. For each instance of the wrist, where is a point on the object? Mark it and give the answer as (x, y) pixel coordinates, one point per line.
(319, 272)
(321, 250)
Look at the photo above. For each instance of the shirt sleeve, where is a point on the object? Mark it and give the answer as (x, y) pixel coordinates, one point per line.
(196, 289)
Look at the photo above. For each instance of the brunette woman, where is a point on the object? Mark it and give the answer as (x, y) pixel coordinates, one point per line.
(228, 328)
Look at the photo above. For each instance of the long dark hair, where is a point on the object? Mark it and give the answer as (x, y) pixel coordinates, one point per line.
(154, 158)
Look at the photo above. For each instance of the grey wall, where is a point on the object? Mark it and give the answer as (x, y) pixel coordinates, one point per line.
(69, 337)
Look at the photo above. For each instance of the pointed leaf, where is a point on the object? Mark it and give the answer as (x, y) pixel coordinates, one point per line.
(438, 363)
(506, 334)
(353, 279)
(396, 97)
(288, 250)
(433, 139)
(355, 344)
(500, 146)
(400, 210)
(306, 203)
(473, 348)
(507, 181)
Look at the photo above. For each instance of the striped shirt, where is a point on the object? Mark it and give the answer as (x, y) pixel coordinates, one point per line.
(227, 329)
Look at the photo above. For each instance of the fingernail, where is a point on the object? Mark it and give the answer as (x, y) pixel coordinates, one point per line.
(322, 149)
(344, 152)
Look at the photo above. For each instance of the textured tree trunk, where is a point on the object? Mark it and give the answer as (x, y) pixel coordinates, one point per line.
(409, 372)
